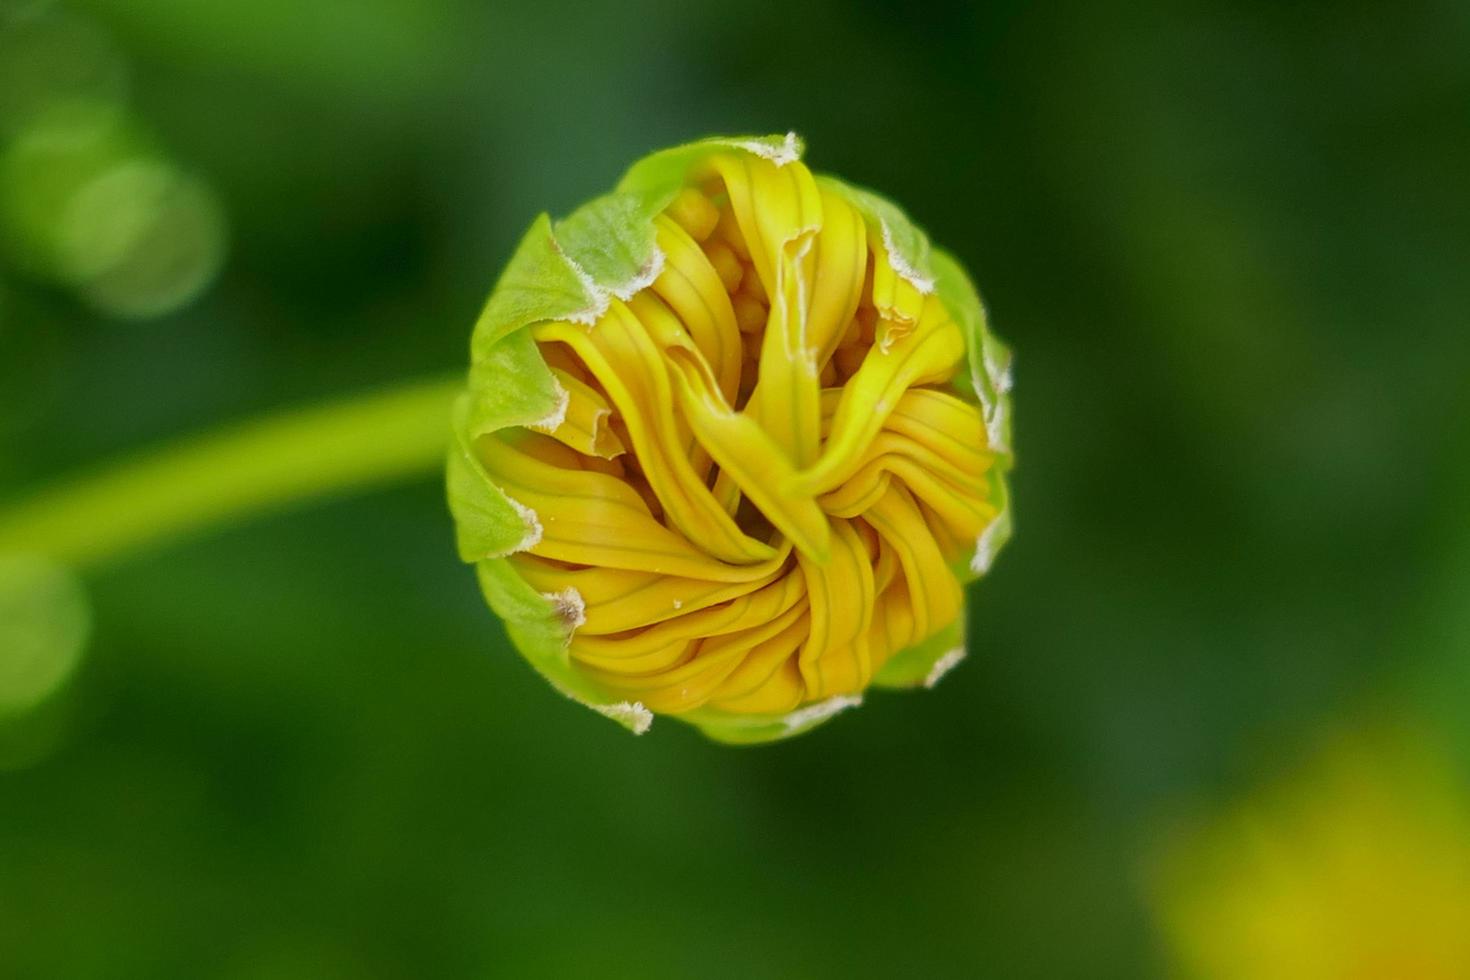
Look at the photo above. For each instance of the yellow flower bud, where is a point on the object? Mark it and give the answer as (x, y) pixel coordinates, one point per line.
(733, 441)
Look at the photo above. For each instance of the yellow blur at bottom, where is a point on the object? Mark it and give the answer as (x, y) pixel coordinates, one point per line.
(1356, 869)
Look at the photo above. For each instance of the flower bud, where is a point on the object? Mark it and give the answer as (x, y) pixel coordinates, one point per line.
(733, 440)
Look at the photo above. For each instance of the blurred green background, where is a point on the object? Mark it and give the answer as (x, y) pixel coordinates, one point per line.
(1230, 245)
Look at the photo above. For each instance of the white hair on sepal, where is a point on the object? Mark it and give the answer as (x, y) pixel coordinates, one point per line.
(789, 151)
(820, 711)
(944, 665)
(599, 297)
(902, 266)
(534, 530)
(645, 277)
(558, 415)
(569, 607)
(989, 542)
(632, 714)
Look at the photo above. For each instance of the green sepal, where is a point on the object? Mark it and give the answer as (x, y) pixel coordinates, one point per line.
(532, 622)
(567, 271)
(989, 359)
(509, 385)
(998, 532)
(540, 627)
(915, 665)
(485, 523)
(908, 247)
(611, 239)
(988, 381)
(538, 284)
(743, 729)
(659, 176)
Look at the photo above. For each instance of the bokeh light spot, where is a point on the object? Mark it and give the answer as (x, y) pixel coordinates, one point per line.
(87, 201)
(45, 620)
(142, 239)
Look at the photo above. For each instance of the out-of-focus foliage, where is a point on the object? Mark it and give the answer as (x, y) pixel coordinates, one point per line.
(1229, 246)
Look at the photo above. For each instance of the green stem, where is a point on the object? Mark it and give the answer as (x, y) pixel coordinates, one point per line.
(224, 477)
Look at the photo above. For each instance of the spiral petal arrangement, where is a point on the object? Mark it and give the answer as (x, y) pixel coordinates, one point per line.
(734, 438)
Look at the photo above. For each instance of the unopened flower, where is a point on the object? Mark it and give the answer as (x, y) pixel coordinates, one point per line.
(734, 438)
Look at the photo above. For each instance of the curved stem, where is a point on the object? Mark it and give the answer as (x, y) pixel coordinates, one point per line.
(224, 477)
